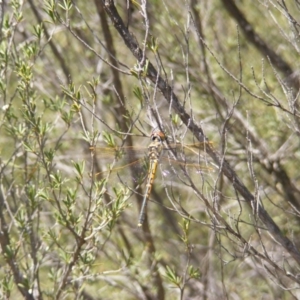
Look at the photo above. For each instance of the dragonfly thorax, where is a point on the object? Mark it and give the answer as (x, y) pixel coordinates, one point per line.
(156, 145)
(154, 149)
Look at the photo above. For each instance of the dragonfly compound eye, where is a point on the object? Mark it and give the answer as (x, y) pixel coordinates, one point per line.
(155, 138)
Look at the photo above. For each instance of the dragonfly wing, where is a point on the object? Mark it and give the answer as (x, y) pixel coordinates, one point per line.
(184, 164)
(123, 170)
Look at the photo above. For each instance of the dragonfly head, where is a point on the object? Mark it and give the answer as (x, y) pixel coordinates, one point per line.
(158, 135)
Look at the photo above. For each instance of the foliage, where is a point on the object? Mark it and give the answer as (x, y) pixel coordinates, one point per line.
(82, 84)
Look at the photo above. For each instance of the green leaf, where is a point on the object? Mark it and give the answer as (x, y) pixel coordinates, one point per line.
(109, 139)
(38, 31)
(172, 276)
(79, 167)
(50, 10)
(66, 5)
(194, 272)
(138, 93)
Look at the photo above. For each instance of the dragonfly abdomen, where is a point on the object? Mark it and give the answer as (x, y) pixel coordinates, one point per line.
(154, 151)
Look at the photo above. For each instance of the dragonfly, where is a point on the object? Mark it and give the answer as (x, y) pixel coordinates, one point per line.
(153, 154)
